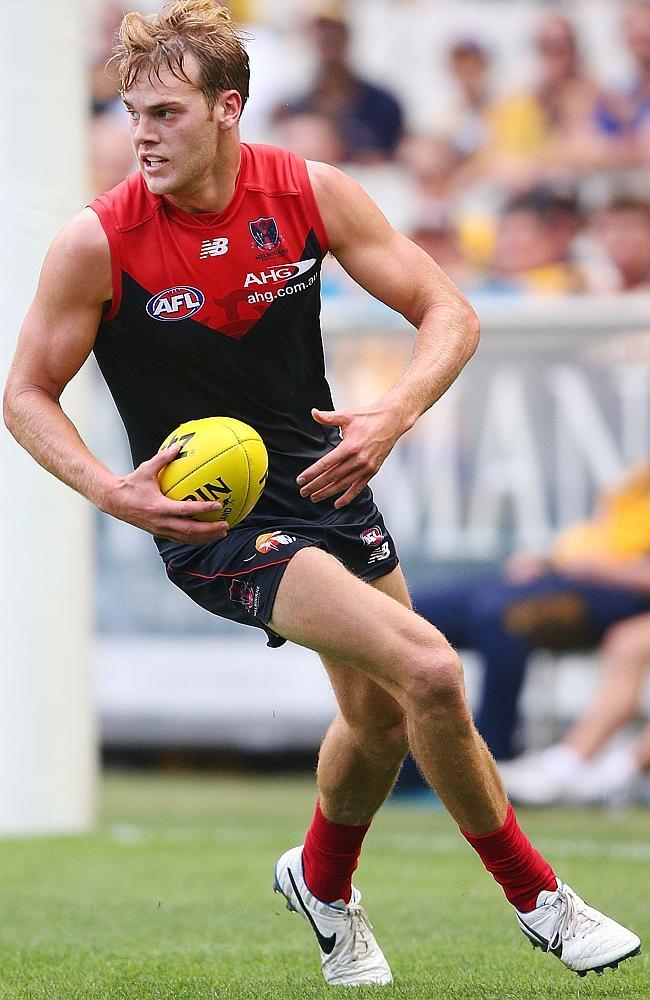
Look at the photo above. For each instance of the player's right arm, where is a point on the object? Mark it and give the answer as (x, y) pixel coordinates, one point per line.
(57, 336)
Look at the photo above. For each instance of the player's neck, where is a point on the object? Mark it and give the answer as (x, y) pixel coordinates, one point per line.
(214, 192)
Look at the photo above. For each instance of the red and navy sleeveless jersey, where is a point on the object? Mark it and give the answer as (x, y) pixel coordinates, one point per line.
(219, 315)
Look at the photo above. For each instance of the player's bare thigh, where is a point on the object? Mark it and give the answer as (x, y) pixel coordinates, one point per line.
(362, 702)
(322, 606)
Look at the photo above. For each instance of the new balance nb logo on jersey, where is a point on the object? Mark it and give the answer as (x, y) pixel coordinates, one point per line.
(214, 248)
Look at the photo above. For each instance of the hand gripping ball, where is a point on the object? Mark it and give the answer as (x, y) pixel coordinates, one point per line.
(220, 459)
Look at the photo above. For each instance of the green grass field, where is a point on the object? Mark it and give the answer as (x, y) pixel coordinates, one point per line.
(170, 898)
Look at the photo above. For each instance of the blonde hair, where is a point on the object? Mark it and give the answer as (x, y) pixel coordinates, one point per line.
(204, 29)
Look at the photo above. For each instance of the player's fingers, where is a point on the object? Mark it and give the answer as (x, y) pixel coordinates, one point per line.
(195, 532)
(338, 418)
(349, 495)
(319, 468)
(343, 458)
(335, 486)
(332, 418)
(331, 483)
(351, 464)
(190, 508)
(161, 459)
(330, 476)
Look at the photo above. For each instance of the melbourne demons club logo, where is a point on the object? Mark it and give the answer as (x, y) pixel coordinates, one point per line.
(265, 233)
(242, 593)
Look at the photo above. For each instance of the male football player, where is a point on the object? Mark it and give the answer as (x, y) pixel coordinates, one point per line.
(231, 237)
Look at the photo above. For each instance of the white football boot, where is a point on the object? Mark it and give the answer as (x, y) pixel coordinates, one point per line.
(584, 939)
(349, 954)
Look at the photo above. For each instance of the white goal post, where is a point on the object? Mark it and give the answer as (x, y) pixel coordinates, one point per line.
(47, 731)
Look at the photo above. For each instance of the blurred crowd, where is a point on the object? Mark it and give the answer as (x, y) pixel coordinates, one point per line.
(542, 189)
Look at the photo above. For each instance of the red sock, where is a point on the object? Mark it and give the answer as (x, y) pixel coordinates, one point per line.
(520, 870)
(330, 856)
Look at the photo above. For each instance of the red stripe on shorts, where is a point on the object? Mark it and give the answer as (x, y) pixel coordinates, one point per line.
(239, 572)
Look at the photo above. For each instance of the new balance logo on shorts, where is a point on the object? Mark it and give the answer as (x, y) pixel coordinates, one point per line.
(379, 554)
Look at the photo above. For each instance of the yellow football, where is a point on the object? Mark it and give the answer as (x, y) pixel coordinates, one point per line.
(220, 459)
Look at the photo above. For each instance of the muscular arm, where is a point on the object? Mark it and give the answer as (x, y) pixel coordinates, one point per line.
(57, 336)
(400, 274)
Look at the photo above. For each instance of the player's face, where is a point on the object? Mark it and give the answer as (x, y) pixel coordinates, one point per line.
(175, 135)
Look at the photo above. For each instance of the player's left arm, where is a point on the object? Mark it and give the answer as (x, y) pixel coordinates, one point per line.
(398, 273)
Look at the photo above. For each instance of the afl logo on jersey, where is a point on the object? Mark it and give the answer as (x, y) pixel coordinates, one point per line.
(176, 303)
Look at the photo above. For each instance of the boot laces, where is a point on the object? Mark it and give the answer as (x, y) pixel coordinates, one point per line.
(570, 915)
(360, 928)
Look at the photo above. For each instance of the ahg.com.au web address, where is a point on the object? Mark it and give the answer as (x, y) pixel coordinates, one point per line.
(281, 293)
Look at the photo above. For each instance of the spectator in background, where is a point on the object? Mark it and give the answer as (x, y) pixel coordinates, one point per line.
(368, 118)
(597, 573)
(104, 88)
(438, 236)
(311, 135)
(532, 248)
(579, 769)
(623, 232)
(469, 129)
(549, 131)
(111, 153)
(624, 116)
(441, 222)
(500, 148)
(429, 161)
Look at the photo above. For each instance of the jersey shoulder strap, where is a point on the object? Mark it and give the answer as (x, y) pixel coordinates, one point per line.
(122, 208)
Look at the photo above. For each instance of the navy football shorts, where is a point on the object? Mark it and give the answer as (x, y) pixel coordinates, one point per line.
(238, 576)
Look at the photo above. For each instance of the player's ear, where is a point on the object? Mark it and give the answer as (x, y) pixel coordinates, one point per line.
(229, 108)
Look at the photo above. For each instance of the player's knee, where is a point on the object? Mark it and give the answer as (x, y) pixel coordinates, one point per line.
(436, 679)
